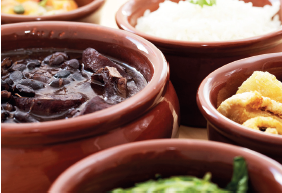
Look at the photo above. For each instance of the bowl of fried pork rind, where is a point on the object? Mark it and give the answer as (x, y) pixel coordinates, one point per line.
(242, 103)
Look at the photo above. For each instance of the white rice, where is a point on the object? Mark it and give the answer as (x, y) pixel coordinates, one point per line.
(226, 20)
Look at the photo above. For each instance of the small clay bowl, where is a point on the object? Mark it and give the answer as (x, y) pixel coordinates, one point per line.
(223, 83)
(34, 154)
(85, 8)
(190, 62)
(125, 165)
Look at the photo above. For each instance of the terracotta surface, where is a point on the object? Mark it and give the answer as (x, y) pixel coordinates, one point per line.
(125, 165)
(85, 8)
(191, 62)
(34, 154)
(227, 80)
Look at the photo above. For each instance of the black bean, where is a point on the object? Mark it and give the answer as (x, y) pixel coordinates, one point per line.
(72, 64)
(4, 72)
(19, 67)
(34, 84)
(5, 77)
(24, 90)
(57, 83)
(6, 63)
(4, 85)
(77, 76)
(46, 60)
(16, 76)
(24, 117)
(31, 64)
(7, 107)
(7, 84)
(41, 78)
(57, 59)
(9, 81)
(26, 74)
(4, 115)
(62, 74)
(5, 96)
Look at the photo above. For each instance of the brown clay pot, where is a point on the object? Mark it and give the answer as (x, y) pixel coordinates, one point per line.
(34, 154)
(85, 8)
(125, 165)
(190, 62)
(222, 84)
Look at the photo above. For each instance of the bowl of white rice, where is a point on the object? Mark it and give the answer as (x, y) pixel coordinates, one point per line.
(198, 38)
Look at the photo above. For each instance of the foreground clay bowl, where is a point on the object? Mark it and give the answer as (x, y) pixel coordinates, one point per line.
(34, 154)
(191, 62)
(223, 83)
(125, 165)
(85, 8)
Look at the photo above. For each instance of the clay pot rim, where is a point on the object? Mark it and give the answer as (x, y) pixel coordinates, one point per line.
(77, 13)
(153, 90)
(124, 13)
(86, 165)
(220, 121)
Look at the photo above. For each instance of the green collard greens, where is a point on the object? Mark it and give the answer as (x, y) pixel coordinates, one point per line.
(239, 181)
(189, 184)
(204, 2)
(174, 184)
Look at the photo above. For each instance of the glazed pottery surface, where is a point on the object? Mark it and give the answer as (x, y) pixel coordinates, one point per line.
(34, 154)
(125, 165)
(222, 84)
(190, 62)
(85, 8)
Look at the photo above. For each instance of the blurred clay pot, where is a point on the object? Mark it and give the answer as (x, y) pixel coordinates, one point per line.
(222, 84)
(190, 62)
(34, 154)
(125, 165)
(85, 8)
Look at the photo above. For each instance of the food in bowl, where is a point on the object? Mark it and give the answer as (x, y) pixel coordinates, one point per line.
(239, 182)
(218, 20)
(37, 7)
(34, 154)
(257, 104)
(192, 61)
(38, 86)
(125, 165)
(265, 83)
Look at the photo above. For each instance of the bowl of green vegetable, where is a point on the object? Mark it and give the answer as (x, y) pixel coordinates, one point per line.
(176, 165)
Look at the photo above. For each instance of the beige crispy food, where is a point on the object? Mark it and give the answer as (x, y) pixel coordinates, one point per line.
(271, 131)
(272, 126)
(244, 106)
(265, 83)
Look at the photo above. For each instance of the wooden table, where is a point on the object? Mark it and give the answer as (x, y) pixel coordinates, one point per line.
(105, 16)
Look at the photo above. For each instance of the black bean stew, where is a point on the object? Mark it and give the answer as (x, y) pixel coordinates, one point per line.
(38, 85)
